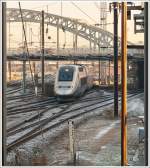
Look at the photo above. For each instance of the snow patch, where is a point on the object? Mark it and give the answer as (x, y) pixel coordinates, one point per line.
(105, 130)
(135, 107)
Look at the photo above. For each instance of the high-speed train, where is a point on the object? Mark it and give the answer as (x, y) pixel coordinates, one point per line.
(72, 81)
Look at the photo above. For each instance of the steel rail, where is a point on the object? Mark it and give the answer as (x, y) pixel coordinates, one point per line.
(35, 132)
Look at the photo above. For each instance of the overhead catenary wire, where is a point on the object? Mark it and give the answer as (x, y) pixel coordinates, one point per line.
(84, 12)
(26, 45)
(44, 6)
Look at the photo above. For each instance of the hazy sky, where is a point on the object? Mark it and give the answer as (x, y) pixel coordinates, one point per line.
(69, 10)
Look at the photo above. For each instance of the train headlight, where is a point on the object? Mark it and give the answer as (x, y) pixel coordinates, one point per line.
(130, 67)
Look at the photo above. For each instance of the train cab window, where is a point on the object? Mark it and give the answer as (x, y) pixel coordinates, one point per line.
(66, 73)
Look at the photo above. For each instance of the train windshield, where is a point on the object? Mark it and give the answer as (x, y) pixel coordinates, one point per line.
(66, 73)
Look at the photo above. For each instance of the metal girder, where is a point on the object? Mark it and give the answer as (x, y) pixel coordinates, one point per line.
(37, 57)
(91, 33)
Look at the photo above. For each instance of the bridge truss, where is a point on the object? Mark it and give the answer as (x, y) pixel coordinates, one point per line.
(99, 37)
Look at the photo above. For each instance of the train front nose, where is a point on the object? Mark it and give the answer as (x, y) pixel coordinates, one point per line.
(65, 90)
(64, 81)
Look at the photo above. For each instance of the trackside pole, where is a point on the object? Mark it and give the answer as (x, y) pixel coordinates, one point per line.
(24, 76)
(4, 75)
(99, 72)
(124, 161)
(9, 69)
(72, 142)
(115, 59)
(36, 83)
(146, 52)
(42, 33)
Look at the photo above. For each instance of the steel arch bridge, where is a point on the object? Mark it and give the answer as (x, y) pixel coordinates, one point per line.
(95, 35)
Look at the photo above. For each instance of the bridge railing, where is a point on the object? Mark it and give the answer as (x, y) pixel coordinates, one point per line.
(69, 51)
(66, 51)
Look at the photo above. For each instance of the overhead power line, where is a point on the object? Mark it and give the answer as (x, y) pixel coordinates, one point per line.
(26, 44)
(84, 12)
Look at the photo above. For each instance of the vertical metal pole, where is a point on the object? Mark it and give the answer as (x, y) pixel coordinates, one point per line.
(24, 76)
(99, 71)
(109, 73)
(115, 60)
(90, 43)
(42, 52)
(29, 36)
(9, 69)
(4, 59)
(99, 49)
(124, 86)
(24, 62)
(95, 43)
(34, 71)
(23, 47)
(57, 38)
(105, 73)
(9, 35)
(35, 79)
(73, 43)
(76, 37)
(41, 35)
(146, 145)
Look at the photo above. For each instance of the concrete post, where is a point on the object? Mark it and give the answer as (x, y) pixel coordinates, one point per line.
(72, 142)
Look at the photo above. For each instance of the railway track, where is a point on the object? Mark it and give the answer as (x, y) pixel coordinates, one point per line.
(49, 102)
(15, 97)
(55, 120)
(61, 106)
(33, 103)
(36, 103)
(77, 102)
(13, 91)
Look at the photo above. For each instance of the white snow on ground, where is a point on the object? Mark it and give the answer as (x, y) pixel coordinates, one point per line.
(135, 107)
(102, 132)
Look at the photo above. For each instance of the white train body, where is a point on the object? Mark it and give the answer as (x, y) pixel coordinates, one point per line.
(72, 81)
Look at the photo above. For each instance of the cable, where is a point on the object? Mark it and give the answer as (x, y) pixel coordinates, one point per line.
(43, 6)
(26, 45)
(84, 12)
(47, 24)
(103, 24)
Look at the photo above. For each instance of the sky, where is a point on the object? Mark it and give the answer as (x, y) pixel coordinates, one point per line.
(90, 8)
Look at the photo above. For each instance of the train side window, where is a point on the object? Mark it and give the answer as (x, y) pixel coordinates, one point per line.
(80, 69)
